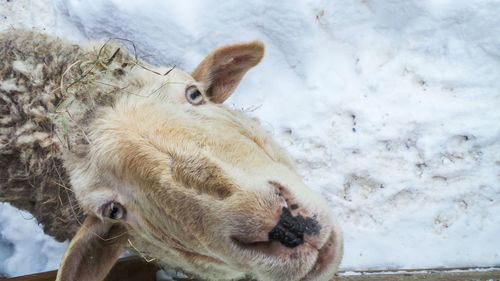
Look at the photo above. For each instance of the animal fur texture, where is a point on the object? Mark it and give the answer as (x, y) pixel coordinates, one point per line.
(49, 91)
(32, 176)
(94, 141)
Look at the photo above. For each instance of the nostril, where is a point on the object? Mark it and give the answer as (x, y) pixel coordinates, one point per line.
(286, 237)
(290, 230)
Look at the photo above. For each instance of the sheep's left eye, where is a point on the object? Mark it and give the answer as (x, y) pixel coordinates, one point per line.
(194, 96)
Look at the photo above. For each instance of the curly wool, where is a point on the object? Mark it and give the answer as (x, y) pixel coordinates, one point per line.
(49, 93)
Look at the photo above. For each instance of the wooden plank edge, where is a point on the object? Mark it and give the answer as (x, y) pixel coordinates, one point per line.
(135, 269)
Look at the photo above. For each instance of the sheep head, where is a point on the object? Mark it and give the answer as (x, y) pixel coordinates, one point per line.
(192, 184)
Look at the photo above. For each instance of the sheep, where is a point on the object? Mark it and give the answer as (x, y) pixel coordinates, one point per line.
(114, 154)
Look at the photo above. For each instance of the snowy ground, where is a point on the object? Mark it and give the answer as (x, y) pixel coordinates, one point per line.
(390, 108)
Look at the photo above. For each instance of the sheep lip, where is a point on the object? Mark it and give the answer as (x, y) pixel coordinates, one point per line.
(248, 243)
(267, 247)
(327, 255)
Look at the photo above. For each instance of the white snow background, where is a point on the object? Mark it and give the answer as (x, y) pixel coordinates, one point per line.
(391, 110)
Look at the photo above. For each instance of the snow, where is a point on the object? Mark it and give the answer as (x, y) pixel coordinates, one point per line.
(24, 248)
(390, 109)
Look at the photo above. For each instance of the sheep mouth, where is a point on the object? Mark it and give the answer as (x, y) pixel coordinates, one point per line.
(266, 247)
(328, 258)
(326, 255)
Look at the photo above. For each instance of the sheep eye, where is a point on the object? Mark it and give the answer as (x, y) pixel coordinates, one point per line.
(114, 210)
(194, 96)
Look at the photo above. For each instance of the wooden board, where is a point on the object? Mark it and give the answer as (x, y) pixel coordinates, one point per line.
(127, 269)
(135, 269)
(434, 276)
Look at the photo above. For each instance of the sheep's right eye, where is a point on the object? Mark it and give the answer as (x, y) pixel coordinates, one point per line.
(114, 210)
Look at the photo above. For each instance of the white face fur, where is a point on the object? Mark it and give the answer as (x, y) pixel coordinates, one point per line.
(184, 180)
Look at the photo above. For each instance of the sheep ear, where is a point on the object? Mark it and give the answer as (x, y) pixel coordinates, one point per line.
(221, 71)
(93, 251)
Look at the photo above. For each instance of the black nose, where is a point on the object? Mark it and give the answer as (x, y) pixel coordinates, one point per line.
(290, 230)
